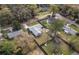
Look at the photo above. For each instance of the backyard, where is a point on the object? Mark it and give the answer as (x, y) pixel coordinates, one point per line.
(62, 48)
(43, 38)
(72, 39)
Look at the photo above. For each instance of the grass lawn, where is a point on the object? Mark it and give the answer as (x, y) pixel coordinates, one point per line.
(48, 25)
(62, 48)
(74, 27)
(48, 48)
(45, 24)
(73, 39)
(33, 23)
(43, 38)
(65, 49)
(42, 15)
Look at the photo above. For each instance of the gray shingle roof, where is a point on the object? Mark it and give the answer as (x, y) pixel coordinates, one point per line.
(36, 29)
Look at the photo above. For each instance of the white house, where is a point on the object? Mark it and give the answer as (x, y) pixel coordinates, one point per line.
(14, 34)
(69, 30)
(36, 29)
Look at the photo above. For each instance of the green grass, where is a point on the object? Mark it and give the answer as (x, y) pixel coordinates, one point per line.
(48, 48)
(74, 27)
(48, 25)
(34, 23)
(72, 39)
(65, 49)
(41, 14)
(62, 48)
(44, 23)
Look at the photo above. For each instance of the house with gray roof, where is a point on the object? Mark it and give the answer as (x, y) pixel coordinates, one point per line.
(36, 29)
(14, 34)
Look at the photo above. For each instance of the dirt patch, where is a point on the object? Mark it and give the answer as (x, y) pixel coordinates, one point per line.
(36, 51)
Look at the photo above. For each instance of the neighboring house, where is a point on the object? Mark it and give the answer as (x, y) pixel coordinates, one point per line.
(36, 30)
(14, 34)
(69, 30)
(9, 29)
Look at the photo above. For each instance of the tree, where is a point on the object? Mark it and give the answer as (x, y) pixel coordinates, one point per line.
(5, 16)
(16, 25)
(33, 9)
(23, 12)
(55, 27)
(6, 48)
(54, 9)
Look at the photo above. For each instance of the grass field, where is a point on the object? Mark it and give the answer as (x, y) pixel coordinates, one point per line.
(62, 48)
(45, 24)
(43, 38)
(34, 23)
(48, 48)
(72, 39)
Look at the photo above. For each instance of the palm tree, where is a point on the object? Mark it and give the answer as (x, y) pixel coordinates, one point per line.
(54, 9)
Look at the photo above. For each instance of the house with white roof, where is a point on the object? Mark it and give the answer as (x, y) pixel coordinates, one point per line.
(36, 29)
(69, 30)
(14, 34)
